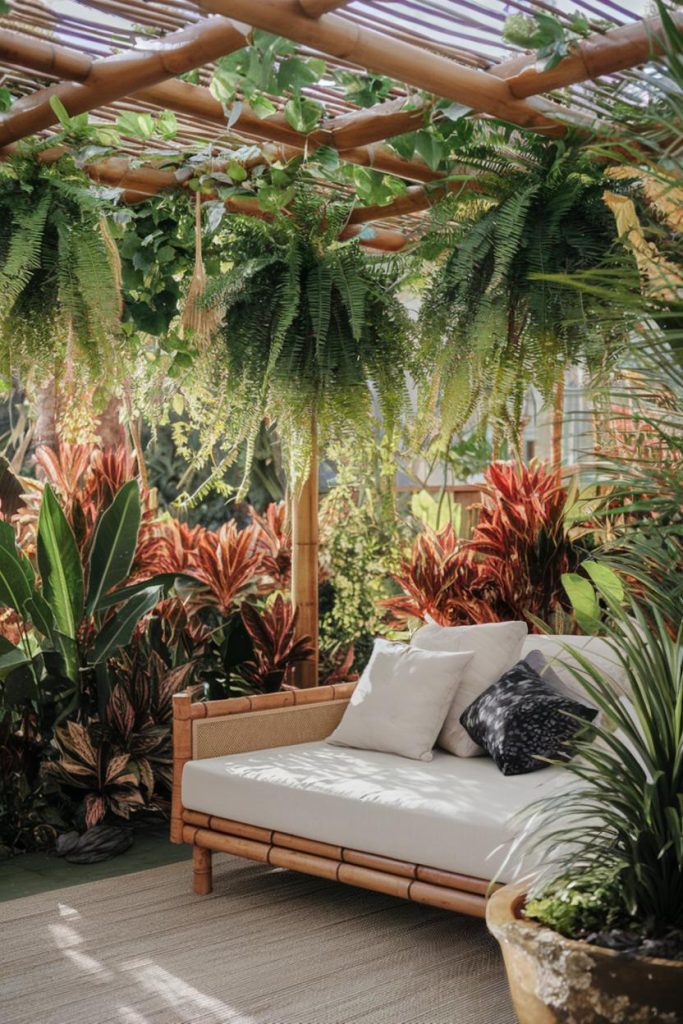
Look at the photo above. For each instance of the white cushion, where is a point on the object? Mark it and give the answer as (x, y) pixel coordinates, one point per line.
(447, 813)
(401, 700)
(497, 647)
(597, 650)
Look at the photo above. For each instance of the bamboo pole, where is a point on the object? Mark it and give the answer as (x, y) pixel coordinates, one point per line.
(331, 34)
(314, 8)
(305, 563)
(113, 77)
(600, 54)
(557, 424)
(140, 183)
(381, 121)
(197, 101)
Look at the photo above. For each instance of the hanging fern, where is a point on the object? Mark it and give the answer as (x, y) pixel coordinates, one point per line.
(490, 323)
(59, 289)
(312, 327)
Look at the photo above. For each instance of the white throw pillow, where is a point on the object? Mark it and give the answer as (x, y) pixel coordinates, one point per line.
(401, 700)
(497, 646)
(594, 648)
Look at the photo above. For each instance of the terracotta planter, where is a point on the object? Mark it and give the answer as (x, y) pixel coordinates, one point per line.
(554, 980)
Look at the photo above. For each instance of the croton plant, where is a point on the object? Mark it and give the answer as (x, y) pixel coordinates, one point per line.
(106, 609)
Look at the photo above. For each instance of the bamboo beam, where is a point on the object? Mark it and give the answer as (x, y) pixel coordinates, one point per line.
(381, 121)
(599, 54)
(197, 101)
(305, 563)
(314, 8)
(140, 183)
(113, 77)
(479, 90)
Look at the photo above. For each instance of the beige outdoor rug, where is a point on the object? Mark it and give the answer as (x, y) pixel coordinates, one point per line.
(267, 947)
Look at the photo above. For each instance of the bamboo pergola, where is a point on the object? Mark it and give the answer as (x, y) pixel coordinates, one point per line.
(106, 56)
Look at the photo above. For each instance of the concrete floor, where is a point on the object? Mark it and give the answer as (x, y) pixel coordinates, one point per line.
(30, 873)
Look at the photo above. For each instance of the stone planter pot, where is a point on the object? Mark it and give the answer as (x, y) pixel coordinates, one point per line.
(554, 980)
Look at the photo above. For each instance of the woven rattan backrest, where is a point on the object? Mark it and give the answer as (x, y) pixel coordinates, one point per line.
(259, 730)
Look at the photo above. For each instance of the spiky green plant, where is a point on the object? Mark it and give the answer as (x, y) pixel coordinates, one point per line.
(312, 328)
(490, 326)
(58, 279)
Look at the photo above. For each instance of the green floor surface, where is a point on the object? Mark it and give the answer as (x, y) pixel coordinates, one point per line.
(31, 873)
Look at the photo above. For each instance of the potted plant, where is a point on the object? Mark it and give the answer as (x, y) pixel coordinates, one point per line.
(598, 937)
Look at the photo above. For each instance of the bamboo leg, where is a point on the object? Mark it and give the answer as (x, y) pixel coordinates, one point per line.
(305, 564)
(201, 871)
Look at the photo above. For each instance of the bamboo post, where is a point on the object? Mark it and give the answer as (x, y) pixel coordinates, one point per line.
(557, 424)
(305, 563)
(182, 752)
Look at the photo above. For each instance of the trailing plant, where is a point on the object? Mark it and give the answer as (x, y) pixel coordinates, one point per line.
(489, 323)
(310, 323)
(59, 285)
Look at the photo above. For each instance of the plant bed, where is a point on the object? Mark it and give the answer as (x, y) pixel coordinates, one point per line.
(556, 980)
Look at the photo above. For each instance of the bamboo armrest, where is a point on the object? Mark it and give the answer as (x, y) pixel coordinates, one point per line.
(239, 724)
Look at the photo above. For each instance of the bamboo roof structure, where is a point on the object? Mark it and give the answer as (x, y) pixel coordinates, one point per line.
(107, 57)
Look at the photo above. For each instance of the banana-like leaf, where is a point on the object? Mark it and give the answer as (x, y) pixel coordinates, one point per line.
(113, 549)
(11, 657)
(119, 630)
(67, 648)
(39, 612)
(60, 566)
(15, 589)
(605, 579)
(165, 580)
(581, 593)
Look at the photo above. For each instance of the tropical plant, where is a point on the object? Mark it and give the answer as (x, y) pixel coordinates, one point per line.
(489, 323)
(440, 580)
(510, 569)
(361, 540)
(621, 823)
(523, 543)
(310, 324)
(72, 608)
(58, 270)
(109, 779)
(276, 644)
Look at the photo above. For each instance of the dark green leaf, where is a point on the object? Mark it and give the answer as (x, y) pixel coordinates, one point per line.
(118, 631)
(113, 548)
(60, 566)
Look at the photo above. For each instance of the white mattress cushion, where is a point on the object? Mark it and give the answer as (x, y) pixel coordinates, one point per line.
(450, 813)
(496, 647)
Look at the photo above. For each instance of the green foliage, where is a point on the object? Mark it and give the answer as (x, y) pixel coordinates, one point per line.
(546, 34)
(309, 324)
(623, 816)
(577, 907)
(269, 66)
(156, 245)
(362, 540)
(58, 289)
(492, 326)
(75, 637)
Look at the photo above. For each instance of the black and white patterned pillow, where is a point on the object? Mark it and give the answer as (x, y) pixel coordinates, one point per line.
(521, 719)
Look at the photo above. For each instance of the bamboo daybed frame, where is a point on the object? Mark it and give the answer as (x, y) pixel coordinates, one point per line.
(240, 724)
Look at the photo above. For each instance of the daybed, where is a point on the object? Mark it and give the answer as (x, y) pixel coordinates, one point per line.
(253, 777)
